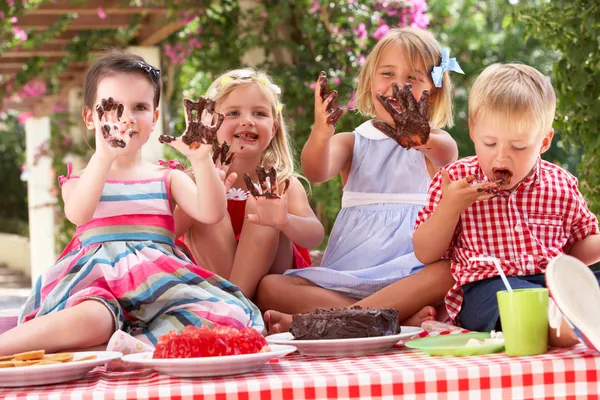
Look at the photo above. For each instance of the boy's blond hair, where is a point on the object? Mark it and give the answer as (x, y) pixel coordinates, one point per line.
(519, 95)
(279, 153)
(422, 47)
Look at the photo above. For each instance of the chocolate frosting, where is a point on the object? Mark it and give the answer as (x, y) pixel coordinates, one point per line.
(346, 323)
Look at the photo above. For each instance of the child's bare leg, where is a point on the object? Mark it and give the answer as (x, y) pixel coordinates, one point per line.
(567, 337)
(284, 258)
(292, 295)
(213, 246)
(87, 324)
(254, 256)
(414, 295)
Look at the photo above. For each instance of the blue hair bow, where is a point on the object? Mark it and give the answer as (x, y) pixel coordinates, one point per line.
(447, 64)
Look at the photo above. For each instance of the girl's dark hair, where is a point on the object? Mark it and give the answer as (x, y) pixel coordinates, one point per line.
(118, 61)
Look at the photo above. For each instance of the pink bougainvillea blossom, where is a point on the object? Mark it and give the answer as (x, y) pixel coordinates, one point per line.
(19, 33)
(361, 31)
(314, 7)
(381, 31)
(24, 117)
(101, 13)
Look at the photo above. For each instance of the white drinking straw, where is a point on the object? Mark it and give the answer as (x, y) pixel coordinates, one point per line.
(496, 262)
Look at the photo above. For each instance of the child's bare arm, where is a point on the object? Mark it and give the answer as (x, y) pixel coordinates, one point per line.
(203, 201)
(290, 214)
(183, 222)
(81, 195)
(587, 250)
(324, 158)
(432, 238)
(325, 155)
(302, 226)
(441, 149)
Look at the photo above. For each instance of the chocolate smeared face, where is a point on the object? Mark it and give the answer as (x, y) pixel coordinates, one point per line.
(267, 184)
(411, 121)
(334, 112)
(345, 323)
(502, 176)
(198, 132)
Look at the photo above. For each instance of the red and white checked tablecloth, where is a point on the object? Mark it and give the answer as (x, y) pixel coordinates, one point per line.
(572, 373)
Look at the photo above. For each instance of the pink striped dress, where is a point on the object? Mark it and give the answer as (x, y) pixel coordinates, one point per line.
(126, 258)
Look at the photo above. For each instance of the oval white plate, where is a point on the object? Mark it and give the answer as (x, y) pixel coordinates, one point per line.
(55, 373)
(208, 366)
(344, 347)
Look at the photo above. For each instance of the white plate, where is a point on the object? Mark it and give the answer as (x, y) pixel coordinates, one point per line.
(55, 373)
(208, 366)
(344, 347)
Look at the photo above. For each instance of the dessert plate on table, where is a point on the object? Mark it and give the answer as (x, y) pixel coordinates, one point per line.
(208, 366)
(55, 373)
(344, 347)
(455, 345)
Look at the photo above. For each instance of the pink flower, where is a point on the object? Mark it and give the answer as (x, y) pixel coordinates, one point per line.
(352, 103)
(300, 110)
(314, 7)
(336, 80)
(313, 85)
(361, 60)
(381, 31)
(14, 20)
(19, 33)
(101, 13)
(11, 2)
(361, 31)
(24, 117)
(195, 43)
(265, 14)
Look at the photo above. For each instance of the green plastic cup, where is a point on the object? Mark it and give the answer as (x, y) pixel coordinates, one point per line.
(524, 318)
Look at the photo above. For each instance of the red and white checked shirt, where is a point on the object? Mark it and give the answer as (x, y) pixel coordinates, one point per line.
(524, 228)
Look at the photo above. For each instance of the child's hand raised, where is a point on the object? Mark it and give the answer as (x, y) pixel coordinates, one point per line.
(108, 128)
(411, 123)
(326, 114)
(202, 123)
(223, 159)
(270, 201)
(462, 193)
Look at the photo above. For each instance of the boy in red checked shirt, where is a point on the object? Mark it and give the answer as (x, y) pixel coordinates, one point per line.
(507, 203)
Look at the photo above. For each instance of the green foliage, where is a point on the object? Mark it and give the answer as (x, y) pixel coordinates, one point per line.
(573, 29)
(299, 39)
(304, 37)
(13, 202)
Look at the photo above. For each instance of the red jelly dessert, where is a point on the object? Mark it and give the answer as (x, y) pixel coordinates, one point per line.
(195, 342)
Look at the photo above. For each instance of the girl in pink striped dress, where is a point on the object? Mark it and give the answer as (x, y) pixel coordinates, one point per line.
(123, 270)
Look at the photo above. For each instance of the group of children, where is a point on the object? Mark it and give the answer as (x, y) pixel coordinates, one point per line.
(410, 235)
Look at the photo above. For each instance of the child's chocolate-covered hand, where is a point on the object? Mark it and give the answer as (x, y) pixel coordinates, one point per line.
(411, 123)
(221, 155)
(267, 186)
(201, 129)
(109, 114)
(268, 205)
(460, 194)
(334, 111)
(222, 160)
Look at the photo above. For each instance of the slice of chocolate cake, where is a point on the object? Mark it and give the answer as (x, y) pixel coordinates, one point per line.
(345, 323)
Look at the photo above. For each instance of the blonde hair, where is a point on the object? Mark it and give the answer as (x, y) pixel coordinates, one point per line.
(520, 95)
(279, 153)
(421, 47)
